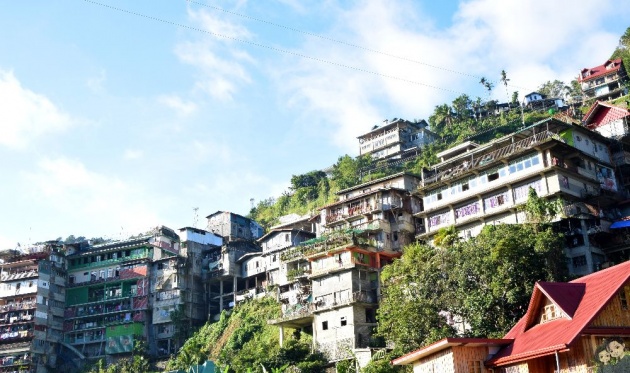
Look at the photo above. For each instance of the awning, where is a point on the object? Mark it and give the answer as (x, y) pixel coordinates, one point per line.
(620, 224)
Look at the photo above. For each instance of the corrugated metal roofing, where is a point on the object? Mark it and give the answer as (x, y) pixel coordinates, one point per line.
(587, 295)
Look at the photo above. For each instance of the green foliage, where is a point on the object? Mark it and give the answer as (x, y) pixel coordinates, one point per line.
(380, 363)
(552, 89)
(413, 290)
(540, 210)
(446, 237)
(485, 282)
(307, 180)
(245, 341)
(623, 49)
(494, 273)
(137, 363)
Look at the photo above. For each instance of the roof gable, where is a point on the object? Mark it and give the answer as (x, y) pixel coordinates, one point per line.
(565, 297)
(583, 298)
(607, 67)
(602, 113)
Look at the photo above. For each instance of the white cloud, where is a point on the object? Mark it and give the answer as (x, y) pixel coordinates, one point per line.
(79, 196)
(221, 63)
(132, 154)
(533, 41)
(26, 115)
(95, 83)
(178, 104)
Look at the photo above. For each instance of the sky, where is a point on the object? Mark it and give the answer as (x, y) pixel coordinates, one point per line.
(119, 116)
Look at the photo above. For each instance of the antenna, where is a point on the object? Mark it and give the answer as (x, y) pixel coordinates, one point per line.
(251, 202)
(195, 216)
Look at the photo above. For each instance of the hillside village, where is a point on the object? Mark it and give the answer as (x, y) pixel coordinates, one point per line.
(318, 253)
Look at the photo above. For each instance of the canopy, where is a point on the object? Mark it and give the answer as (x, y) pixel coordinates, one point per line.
(620, 224)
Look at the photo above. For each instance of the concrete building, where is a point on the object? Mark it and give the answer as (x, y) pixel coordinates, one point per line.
(232, 226)
(478, 185)
(32, 295)
(115, 296)
(394, 138)
(356, 237)
(603, 82)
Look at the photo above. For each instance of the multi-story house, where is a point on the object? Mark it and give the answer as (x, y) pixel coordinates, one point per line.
(225, 278)
(357, 236)
(605, 81)
(108, 303)
(289, 275)
(480, 185)
(394, 138)
(31, 309)
(177, 288)
(232, 226)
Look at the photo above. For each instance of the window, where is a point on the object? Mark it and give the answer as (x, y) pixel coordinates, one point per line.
(324, 325)
(579, 261)
(475, 367)
(550, 312)
(287, 238)
(623, 299)
(344, 321)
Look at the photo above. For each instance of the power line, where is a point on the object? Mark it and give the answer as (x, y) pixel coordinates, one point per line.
(335, 40)
(367, 49)
(275, 49)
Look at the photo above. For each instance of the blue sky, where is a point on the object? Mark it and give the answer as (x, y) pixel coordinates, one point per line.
(113, 123)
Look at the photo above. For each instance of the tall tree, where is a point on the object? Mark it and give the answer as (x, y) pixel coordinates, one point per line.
(409, 314)
(553, 89)
(441, 119)
(505, 80)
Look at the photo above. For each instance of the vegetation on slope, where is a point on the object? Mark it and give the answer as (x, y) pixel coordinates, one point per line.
(243, 340)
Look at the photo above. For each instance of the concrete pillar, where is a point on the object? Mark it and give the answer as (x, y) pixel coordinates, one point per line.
(234, 290)
(281, 335)
(220, 296)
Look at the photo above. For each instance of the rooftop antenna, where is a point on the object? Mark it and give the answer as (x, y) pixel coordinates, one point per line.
(195, 216)
(251, 203)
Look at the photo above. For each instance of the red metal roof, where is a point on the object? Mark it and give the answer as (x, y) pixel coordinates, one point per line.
(580, 299)
(600, 70)
(602, 113)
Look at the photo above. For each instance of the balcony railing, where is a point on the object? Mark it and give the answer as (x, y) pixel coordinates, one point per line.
(337, 266)
(324, 244)
(17, 306)
(356, 297)
(297, 311)
(474, 161)
(109, 261)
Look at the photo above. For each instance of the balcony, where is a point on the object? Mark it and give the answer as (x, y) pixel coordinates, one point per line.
(356, 297)
(339, 266)
(108, 262)
(295, 313)
(17, 306)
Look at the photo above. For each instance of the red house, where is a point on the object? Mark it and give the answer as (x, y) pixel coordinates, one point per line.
(579, 326)
(604, 81)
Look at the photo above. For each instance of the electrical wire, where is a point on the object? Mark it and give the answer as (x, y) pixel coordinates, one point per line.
(275, 49)
(334, 40)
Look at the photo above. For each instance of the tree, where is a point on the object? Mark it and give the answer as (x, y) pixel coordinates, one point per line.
(461, 105)
(409, 313)
(309, 179)
(346, 173)
(487, 84)
(441, 119)
(505, 80)
(493, 275)
(446, 237)
(623, 49)
(515, 98)
(540, 211)
(552, 89)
